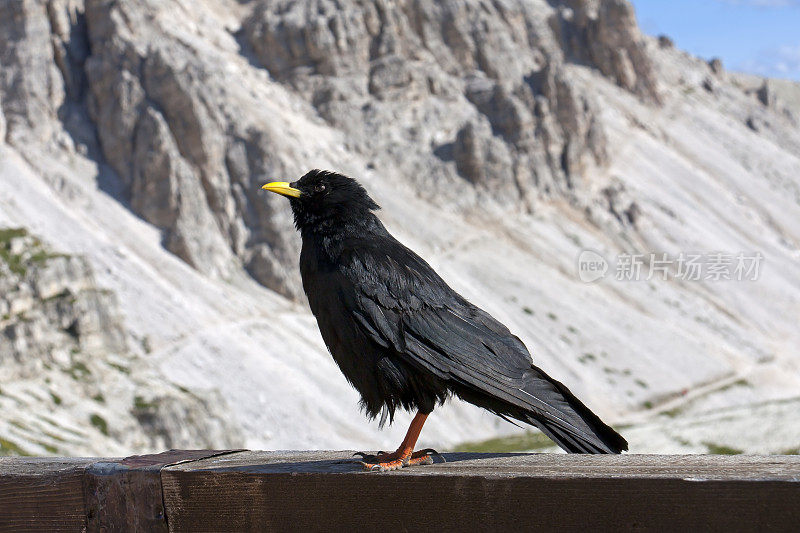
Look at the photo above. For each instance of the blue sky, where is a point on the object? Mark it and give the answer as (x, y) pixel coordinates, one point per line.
(757, 36)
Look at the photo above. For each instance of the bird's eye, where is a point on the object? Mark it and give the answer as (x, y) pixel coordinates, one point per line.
(319, 187)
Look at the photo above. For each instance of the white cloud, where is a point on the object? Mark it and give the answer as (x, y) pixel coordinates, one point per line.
(781, 62)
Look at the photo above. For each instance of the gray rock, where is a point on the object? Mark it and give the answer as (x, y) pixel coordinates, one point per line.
(188, 151)
(51, 302)
(31, 86)
(66, 339)
(185, 420)
(509, 61)
(2, 120)
(188, 161)
(766, 94)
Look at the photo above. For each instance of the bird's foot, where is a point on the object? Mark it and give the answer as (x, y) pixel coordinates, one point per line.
(385, 462)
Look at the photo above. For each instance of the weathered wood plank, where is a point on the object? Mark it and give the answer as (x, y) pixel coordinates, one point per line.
(126, 494)
(42, 494)
(723, 467)
(259, 491)
(87, 494)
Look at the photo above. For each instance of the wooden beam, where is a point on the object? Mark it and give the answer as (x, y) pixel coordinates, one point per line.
(257, 491)
(126, 494)
(42, 494)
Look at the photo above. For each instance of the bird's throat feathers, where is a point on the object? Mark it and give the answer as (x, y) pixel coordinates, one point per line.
(324, 240)
(355, 215)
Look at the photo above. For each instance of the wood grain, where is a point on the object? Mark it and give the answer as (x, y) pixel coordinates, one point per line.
(314, 491)
(126, 494)
(42, 494)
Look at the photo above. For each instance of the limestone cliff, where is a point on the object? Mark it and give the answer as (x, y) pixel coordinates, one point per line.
(68, 380)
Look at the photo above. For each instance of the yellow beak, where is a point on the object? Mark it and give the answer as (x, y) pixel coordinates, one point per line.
(282, 187)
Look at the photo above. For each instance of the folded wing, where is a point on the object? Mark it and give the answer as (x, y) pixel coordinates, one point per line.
(401, 303)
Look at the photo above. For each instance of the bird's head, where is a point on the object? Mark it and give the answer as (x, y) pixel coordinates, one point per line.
(323, 198)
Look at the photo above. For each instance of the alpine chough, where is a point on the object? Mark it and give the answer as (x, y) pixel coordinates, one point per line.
(404, 339)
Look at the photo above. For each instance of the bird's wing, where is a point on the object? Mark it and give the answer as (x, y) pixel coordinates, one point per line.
(399, 301)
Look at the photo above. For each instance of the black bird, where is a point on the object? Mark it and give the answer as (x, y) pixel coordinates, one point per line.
(404, 339)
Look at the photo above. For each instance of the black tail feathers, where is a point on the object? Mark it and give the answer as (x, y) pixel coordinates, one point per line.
(566, 419)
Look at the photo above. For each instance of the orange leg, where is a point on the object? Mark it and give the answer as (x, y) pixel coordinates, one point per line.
(404, 456)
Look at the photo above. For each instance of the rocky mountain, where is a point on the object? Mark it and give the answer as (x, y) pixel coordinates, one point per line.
(69, 381)
(502, 138)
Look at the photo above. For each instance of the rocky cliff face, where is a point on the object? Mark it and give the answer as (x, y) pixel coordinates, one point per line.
(68, 380)
(502, 139)
(479, 89)
(50, 306)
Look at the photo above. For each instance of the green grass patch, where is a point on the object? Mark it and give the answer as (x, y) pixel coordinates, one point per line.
(9, 448)
(718, 449)
(99, 398)
(100, 423)
(672, 413)
(34, 253)
(79, 370)
(57, 438)
(641, 383)
(56, 398)
(791, 451)
(13, 261)
(527, 310)
(6, 234)
(140, 404)
(63, 294)
(515, 443)
(738, 383)
(552, 316)
(49, 448)
(124, 369)
(42, 256)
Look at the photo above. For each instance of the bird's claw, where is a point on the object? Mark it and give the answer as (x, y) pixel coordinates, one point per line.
(430, 452)
(387, 466)
(365, 455)
(385, 462)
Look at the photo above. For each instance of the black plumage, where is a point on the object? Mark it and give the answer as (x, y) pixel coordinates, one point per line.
(403, 338)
